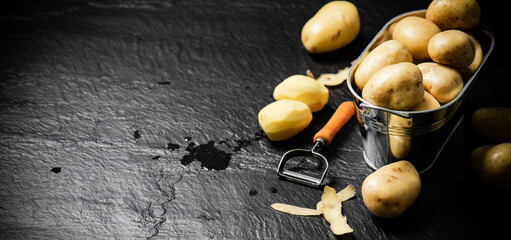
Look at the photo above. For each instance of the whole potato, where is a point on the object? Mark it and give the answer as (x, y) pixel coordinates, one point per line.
(492, 164)
(334, 26)
(303, 89)
(452, 47)
(428, 102)
(391, 189)
(385, 54)
(467, 72)
(415, 32)
(449, 14)
(493, 124)
(397, 86)
(441, 81)
(283, 119)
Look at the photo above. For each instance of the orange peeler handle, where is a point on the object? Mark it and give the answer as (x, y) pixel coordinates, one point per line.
(341, 116)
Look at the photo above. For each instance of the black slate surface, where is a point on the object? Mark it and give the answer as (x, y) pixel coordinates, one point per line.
(138, 120)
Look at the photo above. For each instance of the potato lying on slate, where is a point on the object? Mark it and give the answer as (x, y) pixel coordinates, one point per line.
(492, 164)
(283, 119)
(493, 124)
(397, 86)
(304, 89)
(391, 189)
(334, 26)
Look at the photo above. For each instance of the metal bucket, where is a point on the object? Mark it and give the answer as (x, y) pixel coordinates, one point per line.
(417, 136)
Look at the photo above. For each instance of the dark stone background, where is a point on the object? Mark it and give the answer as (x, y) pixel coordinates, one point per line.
(138, 119)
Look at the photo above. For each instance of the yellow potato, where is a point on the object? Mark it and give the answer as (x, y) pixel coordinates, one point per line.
(467, 72)
(493, 124)
(284, 119)
(459, 14)
(415, 32)
(441, 81)
(391, 189)
(385, 54)
(334, 26)
(452, 47)
(398, 86)
(303, 89)
(428, 102)
(492, 164)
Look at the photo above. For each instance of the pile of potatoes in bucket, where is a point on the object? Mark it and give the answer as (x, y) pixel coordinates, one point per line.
(425, 61)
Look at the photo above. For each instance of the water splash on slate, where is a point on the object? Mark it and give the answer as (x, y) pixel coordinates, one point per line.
(172, 146)
(136, 134)
(208, 155)
(243, 142)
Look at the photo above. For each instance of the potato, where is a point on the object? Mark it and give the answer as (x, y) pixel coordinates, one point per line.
(334, 26)
(385, 54)
(452, 47)
(441, 81)
(492, 164)
(303, 89)
(459, 14)
(391, 189)
(415, 32)
(397, 86)
(428, 102)
(284, 119)
(467, 72)
(493, 124)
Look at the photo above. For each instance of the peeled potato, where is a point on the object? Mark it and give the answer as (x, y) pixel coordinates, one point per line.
(284, 119)
(304, 89)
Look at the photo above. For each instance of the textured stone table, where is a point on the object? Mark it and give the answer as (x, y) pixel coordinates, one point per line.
(138, 120)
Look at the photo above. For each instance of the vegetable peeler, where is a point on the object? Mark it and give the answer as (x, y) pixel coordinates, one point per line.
(321, 140)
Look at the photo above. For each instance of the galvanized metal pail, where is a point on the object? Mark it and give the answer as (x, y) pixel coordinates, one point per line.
(417, 136)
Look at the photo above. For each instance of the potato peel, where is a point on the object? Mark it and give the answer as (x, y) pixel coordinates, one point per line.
(334, 79)
(291, 209)
(332, 212)
(343, 195)
(330, 206)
